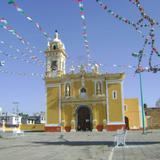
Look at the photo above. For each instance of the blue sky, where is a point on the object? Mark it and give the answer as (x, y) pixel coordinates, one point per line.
(111, 42)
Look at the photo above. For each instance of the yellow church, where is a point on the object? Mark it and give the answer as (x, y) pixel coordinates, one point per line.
(81, 101)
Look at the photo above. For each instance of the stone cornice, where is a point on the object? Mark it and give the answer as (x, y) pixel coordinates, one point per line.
(83, 100)
(87, 76)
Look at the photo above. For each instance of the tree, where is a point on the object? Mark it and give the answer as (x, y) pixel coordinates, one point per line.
(145, 105)
(158, 103)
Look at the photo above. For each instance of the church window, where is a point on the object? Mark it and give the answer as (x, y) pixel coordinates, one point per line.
(98, 88)
(54, 65)
(55, 46)
(114, 94)
(67, 90)
(125, 107)
(83, 92)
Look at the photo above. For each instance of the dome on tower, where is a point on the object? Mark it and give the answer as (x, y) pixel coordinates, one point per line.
(57, 43)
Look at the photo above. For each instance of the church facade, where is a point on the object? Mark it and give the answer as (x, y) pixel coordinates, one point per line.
(81, 101)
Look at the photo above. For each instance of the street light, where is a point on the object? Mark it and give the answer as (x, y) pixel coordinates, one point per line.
(139, 70)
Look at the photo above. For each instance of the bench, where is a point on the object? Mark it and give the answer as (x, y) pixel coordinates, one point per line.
(120, 137)
(17, 132)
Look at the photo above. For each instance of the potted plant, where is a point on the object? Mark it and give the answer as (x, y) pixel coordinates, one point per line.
(67, 128)
(99, 127)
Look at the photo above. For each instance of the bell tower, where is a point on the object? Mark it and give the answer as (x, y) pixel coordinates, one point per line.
(55, 58)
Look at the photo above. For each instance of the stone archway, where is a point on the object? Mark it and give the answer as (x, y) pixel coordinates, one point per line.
(84, 118)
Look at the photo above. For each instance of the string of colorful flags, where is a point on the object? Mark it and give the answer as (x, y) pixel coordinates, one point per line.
(21, 73)
(119, 17)
(5, 25)
(84, 28)
(74, 67)
(29, 18)
(144, 22)
(18, 58)
(30, 58)
(150, 38)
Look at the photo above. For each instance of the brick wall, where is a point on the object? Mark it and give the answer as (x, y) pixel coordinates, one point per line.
(153, 117)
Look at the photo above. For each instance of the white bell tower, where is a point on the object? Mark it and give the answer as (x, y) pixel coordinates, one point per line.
(55, 58)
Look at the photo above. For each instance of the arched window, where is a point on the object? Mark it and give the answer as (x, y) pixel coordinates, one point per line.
(54, 65)
(98, 88)
(83, 92)
(67, 90)
(114, 94)
(55, 46)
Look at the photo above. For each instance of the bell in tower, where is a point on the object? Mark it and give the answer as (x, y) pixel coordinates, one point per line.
(55, 57)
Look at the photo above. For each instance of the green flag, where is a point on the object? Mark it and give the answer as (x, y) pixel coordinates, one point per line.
(11, 1)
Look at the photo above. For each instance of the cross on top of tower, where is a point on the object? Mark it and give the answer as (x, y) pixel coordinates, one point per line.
(56, 35)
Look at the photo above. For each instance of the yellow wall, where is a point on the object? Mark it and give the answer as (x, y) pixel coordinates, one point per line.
(53, 105)
(132, 112)
(115, 105)
(99, 113)
(97, 103)
(76, 86)
(32, 127)
(67, 115)
(89, 84)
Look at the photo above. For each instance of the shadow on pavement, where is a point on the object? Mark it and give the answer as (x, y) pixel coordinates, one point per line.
(89, 143)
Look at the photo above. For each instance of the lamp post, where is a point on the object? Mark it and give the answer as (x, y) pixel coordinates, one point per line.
(139, 56)
(142, 102)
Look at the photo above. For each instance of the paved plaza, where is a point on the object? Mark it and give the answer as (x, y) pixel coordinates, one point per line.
(80, 146)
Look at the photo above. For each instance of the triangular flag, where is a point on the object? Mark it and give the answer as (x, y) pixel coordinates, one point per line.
(11, 1)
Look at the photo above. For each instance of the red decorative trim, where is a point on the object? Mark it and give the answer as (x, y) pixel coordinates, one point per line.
(53, 129)
(114, 127)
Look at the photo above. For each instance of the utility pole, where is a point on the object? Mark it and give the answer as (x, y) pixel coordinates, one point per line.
(142, 103)
(16, 107)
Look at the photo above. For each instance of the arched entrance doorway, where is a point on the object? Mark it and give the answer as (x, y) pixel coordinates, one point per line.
(84, 119)
(127, 123)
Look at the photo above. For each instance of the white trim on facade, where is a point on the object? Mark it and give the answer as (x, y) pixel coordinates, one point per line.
(52, 85)
(46, 107)
(65, 83)
(122, 94)
(95, 82)
(59, 107)
(52, 125)
(115, 123)
(107, 104)
(113, 81)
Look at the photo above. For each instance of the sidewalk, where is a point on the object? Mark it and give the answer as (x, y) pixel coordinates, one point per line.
(80, 146)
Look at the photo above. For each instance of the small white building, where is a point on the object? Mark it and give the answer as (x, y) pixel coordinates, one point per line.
(14, 119)
(11, 119)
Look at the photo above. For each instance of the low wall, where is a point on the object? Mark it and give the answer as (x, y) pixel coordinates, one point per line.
(32, 127)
